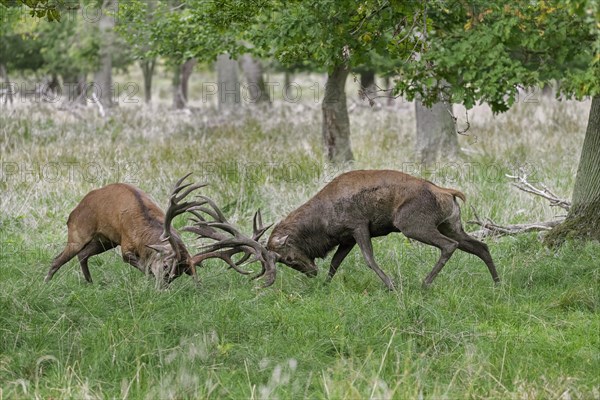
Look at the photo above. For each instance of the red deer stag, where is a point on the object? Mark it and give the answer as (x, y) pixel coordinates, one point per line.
(121, 214)
(357, 206)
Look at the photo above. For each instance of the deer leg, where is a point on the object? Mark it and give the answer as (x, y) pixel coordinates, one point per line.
(91, 249)
(341, 253)
(70, 251)
(363, 239)
(421, 228)
(471, 245)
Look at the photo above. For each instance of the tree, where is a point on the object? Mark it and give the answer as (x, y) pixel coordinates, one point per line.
(333, 35)
(368, 86)
(103, 75)
(228, 83)
(436, 132)
(136, 20)
(336, 124)
(181, 80)
(483, 51)
(17, 52)
(583, 219)
(255, 83)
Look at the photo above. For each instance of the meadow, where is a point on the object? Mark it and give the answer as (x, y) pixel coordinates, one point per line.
(535, 336)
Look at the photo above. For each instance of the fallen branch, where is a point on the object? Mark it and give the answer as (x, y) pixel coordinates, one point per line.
(490, 229)
(522, 184)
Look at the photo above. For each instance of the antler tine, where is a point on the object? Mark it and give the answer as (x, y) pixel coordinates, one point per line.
(257, 220)
(205, 232)
(210, 222)
(213, 205)
(176, 208)
(258, 227)
(225, 256)
(177, 197)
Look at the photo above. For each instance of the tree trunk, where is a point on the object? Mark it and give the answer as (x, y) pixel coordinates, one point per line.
(103, 77)
(186, 71)
(54, 84)
(256, 92)
(368, 88)
(181, 79)
(7, 87)
(336, 124)
(436, 133)
(147, 67)
(74, 88)
(228, 84)
(287, 84)
(583, 219)
(178, 100)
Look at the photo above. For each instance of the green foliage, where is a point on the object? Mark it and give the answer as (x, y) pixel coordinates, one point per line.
(50, 9)
(69, 48)
(175, 30)
(19, 48)
(327, 33)
(136, 24)
(484, 50)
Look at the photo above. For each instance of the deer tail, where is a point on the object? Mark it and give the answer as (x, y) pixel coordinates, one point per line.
(457, 193)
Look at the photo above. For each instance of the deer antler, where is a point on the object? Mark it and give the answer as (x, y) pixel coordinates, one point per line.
(230, 241)
(176, 207)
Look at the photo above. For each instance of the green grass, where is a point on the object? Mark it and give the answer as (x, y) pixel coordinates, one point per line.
(534, 336)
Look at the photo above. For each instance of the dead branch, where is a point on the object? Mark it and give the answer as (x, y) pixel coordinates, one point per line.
(523, 184)
(490, 229)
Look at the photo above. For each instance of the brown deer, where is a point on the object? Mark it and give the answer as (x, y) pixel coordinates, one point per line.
(121, 214)
(359, 205)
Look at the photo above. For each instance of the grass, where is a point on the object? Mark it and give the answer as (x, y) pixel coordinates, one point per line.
(534, 336)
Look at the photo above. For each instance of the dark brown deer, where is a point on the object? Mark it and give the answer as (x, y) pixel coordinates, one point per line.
(359, 205)
(121, 214)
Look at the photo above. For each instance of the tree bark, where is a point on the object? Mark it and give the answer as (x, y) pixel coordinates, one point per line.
(147, 67)
(336, 124)
(583, 219)
(186, 71)
(74, 87)
(7, 85)
(54, 84)
(368, 89)
(181, 79)
(256, 92)
(389, 90)
(436, 133)
(103, 76)
(228, 83)
(289, 86)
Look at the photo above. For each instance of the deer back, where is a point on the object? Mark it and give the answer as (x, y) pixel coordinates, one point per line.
(120, 213)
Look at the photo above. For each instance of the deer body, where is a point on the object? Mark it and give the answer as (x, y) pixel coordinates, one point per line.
(121, 214)
(359, 205)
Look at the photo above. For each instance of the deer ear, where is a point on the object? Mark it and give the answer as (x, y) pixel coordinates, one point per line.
(160, 248)
(280, 241)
